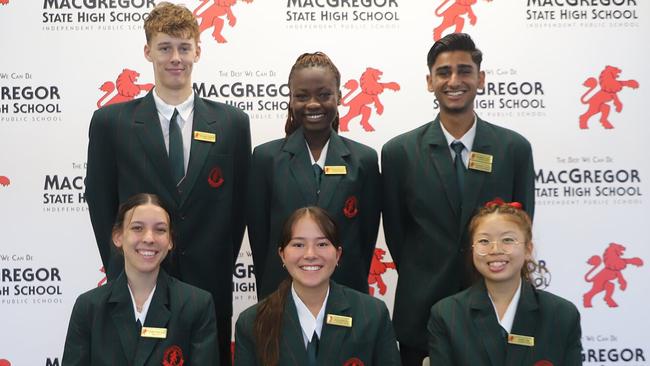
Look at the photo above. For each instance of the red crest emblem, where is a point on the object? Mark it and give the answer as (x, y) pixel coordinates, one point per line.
(614, 264)
(369, 95)
(3, 2)
(377, 268)
(353, 362)
(213, 16)
(543, 363)
(599, 103)
(173, 356)
(4, 181)
(350, 209)
(4, 362)
(215, 179)
(452, 16)
(126, 86)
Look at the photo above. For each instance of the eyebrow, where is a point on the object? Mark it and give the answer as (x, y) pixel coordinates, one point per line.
(303, 238)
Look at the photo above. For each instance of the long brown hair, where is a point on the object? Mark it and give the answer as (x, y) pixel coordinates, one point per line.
(316, 59)
(268, 321)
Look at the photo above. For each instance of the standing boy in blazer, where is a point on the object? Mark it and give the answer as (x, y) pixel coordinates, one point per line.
(430, 195)
(192, 152)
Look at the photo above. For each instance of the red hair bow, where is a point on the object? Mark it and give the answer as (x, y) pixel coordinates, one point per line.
(499, 202)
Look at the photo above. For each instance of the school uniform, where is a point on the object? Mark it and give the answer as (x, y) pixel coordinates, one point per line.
(369, 340)
(464, 330)
(103, 330)
(282, 179)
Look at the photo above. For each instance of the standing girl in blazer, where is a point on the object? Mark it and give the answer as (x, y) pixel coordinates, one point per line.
(311, 320)
(144, 316)
(314, 166)
(503, 319)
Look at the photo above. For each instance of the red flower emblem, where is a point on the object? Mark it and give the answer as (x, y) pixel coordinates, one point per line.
(215, 179)
(350, 208)
(543, 363)
(353, 362)
(173, 356)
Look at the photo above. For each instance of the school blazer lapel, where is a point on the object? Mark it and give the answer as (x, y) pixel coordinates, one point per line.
(203, 122)
(147, 128)
(123, 316)
(333, 336)
(337, 154)
(157, 317)
(525, 323)
(485, 321)
(293, 347)
(434, 141)
(300, 166)
(474, 179)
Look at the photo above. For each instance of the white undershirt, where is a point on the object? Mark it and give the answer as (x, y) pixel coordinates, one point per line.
(145, 307)
(511, 311)
(321, 158)
(308, 323)
(467, 139)
(185, 120)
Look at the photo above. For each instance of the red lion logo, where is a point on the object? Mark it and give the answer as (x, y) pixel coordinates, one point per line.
(377, 269)
(602, 281)
(173, 357)
(4, 181)
(212, 16)
(3, 2)
(127, 89)
(103, 280)
(4, 362)
(609, 88)
(370, 90)
(453, 16)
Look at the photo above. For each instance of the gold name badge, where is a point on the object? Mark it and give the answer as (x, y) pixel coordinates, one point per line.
(481, 158)
(521, 340)
(340, 320)
(335, 170)
(205, 136)
(150, 332)
(483, 167)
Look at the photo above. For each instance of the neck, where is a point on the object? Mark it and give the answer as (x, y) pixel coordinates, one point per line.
(173, 97)
(141, 284)
(457, 124)
(313, 298)
(502, 293)
(316, 141)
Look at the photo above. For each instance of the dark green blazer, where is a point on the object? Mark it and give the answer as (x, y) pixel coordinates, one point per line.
(283, 180)
(463, 330)
(370, 339)
(103, 329)
(126, 155)
(424, 224)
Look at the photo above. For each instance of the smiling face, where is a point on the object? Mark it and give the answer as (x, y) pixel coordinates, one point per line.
(310, 258)
(144, 238)
(497, 267)
(314, 98)
(173, 59)
(454, 79)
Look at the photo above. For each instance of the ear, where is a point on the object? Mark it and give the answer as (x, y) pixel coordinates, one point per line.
(147, 52)
(481, 80)
(430, 83)
(117, 238)
(339, 252)
(281, 254)
(529, 250)
(339, 96)
(197, 55)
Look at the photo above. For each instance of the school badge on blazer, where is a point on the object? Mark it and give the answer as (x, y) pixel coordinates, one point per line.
(215, 178)
(173, 356)
(353, 362)
(543, 363)
(350, 209)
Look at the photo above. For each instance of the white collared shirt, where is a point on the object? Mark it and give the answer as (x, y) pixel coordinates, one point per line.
(145, 307)
(321, 158)
(185, 120)
(308, 323)
(511, 311)
(467, 139)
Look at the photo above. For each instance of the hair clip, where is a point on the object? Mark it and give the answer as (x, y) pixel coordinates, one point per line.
(499, 202)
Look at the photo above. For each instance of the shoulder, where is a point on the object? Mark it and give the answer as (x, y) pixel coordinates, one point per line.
(113, 113)
(505, 134)
(360, 301)
(188, 293)
(406, 139)
(233, 114)
(457, 301)
(357, 148)
(246, 318)
(556, 305)
(269, 148)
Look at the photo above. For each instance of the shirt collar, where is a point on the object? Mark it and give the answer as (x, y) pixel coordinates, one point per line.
(308, 323)
(145, 307)
(467, 139)
(167, 110)
(322, 157)
(511, 311)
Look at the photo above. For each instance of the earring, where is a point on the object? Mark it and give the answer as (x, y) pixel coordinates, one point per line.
(284, 265)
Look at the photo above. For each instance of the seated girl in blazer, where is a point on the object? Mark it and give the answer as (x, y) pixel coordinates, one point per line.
(503, 319)
(144, 317)
(310, 320)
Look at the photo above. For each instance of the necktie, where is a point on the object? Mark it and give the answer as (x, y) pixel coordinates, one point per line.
(312, 350)
(176, 161)
(458, 147)
(318, 173)
(139, 326)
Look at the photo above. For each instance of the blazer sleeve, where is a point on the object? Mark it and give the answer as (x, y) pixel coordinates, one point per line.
(245, 354)
(203, 343)
(77, 341)
(101, 183)
(370, 208)
(386, 352)
(440, 350)
(259, 208)
(573, 355)
(241, 159)
(393, 201)
(524, 184)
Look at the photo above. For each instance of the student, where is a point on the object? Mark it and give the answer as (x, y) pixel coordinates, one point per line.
(314, 166)
(311, 320)
(434, 177)
(144, 316)
(502, 319)
(192, 152)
